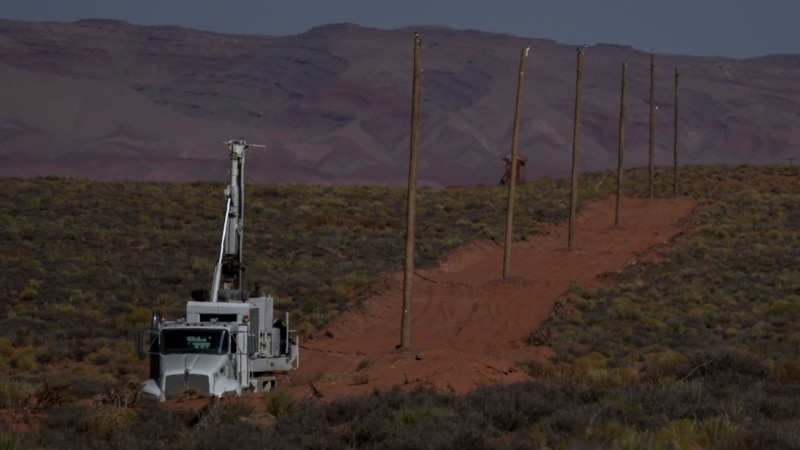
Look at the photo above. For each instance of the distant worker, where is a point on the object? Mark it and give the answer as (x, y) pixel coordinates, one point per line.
(520, 169)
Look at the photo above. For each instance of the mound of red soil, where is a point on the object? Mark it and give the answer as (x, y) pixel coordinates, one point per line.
(468, 323)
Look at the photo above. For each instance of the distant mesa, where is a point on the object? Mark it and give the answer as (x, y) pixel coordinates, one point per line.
(333, 104)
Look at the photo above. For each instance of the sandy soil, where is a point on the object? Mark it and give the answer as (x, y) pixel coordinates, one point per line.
(468, 323)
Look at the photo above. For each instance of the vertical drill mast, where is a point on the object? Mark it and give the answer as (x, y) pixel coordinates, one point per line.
(229, 268)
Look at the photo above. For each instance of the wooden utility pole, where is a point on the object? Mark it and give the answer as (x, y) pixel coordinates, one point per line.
(620, 148)
(514, 169)
(651, 146)
(573, 198)
(408, 273)
(675, 142)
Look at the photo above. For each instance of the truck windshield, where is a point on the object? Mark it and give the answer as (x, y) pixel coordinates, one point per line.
(194, 340)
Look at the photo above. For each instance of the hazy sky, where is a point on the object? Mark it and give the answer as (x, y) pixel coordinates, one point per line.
(732, 28)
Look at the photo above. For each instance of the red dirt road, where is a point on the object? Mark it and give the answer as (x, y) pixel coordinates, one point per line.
(468, 324)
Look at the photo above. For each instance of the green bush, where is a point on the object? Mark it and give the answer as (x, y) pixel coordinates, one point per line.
(280, 402)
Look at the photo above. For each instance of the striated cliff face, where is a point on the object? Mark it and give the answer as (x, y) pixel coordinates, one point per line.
(110, 100)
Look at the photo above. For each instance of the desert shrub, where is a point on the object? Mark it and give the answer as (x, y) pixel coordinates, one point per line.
(233, 411)
(103, 422)
(662, 365)
(717, 431)
(216, 412)
(776, 400)
(789, 371)
(84, 386)
(308, 428)
(468, 431)
(16, 393)
(23, 360)
(418, 414)
(651, 406)
(364, 363)
(347, 409)
(681, 433)
(619, 436)
(533, 367)
(13, 441)
(364, 431)
(770, 436)
(568, 421)
(360, 378)
(724, 369)
(280, 402)
(101, 357)
(593, 360)
(516, 405)
(155, 425)
(236, 434)
(64, 423)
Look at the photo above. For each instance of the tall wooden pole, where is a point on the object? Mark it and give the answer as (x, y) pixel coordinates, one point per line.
(620, 149)
(408, 273)
(573, 198)
(514, 170)
(675, 142)
(651, 146)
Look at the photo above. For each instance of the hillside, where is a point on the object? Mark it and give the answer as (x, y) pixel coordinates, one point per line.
(108, 100)
(682, 339)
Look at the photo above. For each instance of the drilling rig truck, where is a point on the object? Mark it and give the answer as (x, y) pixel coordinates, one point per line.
(229, 340)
